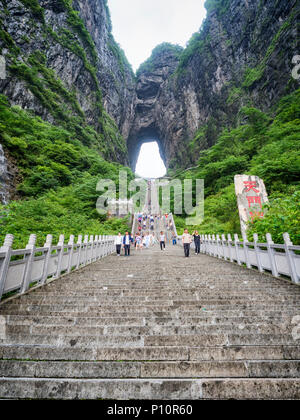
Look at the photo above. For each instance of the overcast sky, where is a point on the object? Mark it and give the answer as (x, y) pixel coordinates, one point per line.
(140, 25)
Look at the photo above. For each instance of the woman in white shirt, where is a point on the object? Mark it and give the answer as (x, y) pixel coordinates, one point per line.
(118, 243)
(162, 241)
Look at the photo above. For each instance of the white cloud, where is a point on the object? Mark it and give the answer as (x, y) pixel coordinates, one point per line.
(140, 25)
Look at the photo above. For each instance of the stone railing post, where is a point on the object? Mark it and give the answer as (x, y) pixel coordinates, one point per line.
(246, 250)
(100, 247)
(230, 247)
(257, 253)
(236, 240)
(223, 241)
(6, 249)
(290, 258)
(29, 260)
(210, 248)
(92, 248)
(79, 249)
(271, 254)
(214, 246)
(219, 247)
(60, 253)
(71, 251)
(47, 256)
(96, 242)
(202, 246)
(206, 244)
(105, 245)
(86, 247)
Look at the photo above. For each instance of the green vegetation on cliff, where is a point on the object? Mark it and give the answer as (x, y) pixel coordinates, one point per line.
(164, 48)
(49, 89)
(266, 146)
(57, 179)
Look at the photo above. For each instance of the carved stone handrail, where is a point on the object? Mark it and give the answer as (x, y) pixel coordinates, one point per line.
(22, 267)
(279, 259)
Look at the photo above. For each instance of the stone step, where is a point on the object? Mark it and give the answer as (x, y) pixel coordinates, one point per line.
(150, 314)
(217, 353)
(188, 285)
(137, 296)
(56, 320)
(87, 341)
(148, 306)
(230, 369)
(76, 330)
(219, 340)
(92, 301)
(141, 289)
(209, 339)
(170, 389)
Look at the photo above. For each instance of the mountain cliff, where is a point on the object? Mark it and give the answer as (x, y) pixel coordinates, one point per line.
(64, 66)
(242, 56)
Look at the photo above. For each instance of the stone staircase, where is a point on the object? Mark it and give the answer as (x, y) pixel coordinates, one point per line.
(153, 326)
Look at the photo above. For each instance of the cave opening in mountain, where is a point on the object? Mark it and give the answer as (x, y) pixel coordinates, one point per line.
(150, 163)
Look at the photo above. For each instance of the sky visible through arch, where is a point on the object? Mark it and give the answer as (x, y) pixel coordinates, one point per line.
(150, 164)
(141, 25)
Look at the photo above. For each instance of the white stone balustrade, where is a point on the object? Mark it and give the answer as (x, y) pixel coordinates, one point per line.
(278, 259)
(23, 267)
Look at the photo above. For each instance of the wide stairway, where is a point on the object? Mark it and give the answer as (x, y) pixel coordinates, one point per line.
(153, 326)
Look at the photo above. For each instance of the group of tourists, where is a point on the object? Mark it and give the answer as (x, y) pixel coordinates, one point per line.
(141, 241)
(187, 240)
(143, 218)
(125, 242)
(144, 240)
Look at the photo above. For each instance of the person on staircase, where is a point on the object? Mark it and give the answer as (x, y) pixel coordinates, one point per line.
(162, 241)
(174, 238)
(197, 241)
(127, 240)
(138, 241)
(186, 240)
(118, 243)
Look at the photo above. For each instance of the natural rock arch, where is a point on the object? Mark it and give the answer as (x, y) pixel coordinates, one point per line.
(154, 107)
(144, 135)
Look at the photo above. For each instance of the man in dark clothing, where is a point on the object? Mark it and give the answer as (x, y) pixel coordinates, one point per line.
(197, 242)
(127, 240)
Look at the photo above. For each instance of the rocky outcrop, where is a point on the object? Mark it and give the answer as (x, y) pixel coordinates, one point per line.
(241, 56)
(65, 66)
(80, 66)
(3, 178)
(156, 105)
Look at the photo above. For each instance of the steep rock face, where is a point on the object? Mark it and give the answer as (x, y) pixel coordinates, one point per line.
(242, 56)
(155, 106)
(88, 69)
(3, 177)
(68, 69)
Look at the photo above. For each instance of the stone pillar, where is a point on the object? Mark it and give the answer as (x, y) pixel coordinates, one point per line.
(251, 196)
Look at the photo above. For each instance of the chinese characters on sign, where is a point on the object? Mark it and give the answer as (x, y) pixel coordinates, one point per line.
(251, 196)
